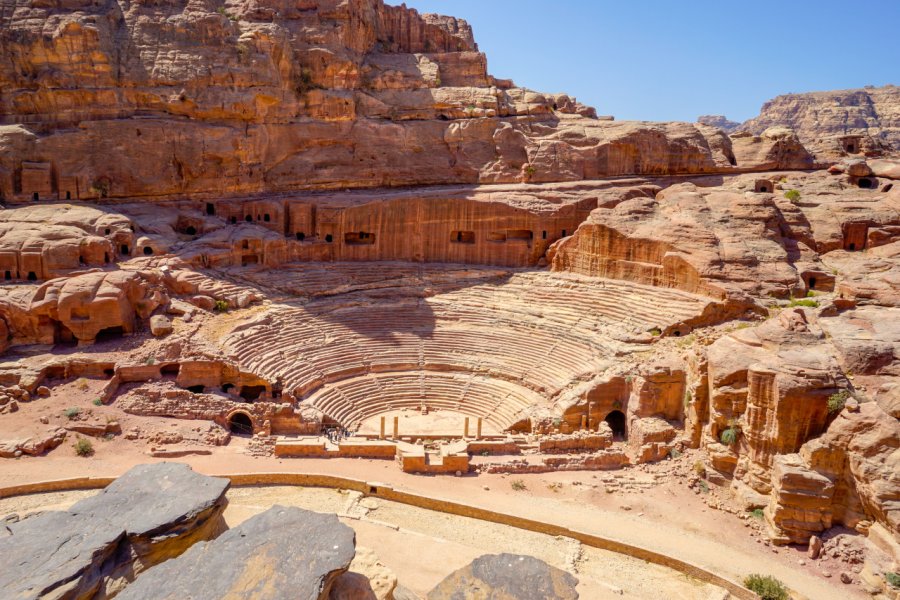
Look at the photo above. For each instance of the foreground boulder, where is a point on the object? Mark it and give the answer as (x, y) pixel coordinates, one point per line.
(506, 577)
(150, 514)
(283, 553)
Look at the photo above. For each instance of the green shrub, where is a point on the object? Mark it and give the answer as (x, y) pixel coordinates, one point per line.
(150, 360)
(804, 302)
(699, 468)
(656, 331)
(792, 195)
(83, 447)
(674, 453)
(687, 398)
(220, 306)
(98, 402)
(766, 587)
(730, 436)
(757, 513)
(704, 487)
(518, 485)
(72, 412)
(893, 579)
(837, 401)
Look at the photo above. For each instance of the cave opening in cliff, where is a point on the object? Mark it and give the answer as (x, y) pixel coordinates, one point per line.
(7, 275)
(109, 334)
(329, 238)
(301, 236)
(196, 389)
(563, 233)
(148, 250)
(851, 148)
(812, 283)
(616, 422)
(190, 230)
(106, 257)
(888, 187)
(544, 235)
(68, 195)
(227, 387)
(249, 218)
(267, 218)
(81, 260)
(35, 196)
(233, 220)
(62, 336)
(170, 370)
(462, 237)
(252, 392)
(32, 276)
(851, 246)
(865, 183)
(359, 238)
(520, 234)
(210, 208)
(240, 423)
(125, 249)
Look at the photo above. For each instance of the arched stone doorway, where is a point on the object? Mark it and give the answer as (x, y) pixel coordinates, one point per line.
(616, 422)
(240, 423)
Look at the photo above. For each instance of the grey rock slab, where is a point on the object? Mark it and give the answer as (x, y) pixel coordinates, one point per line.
(284, 553)
(162, 499)
(506, 577)
(55, 555)
(149, 514)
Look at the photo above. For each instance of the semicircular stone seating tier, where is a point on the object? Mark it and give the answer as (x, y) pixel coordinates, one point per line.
(360, 344)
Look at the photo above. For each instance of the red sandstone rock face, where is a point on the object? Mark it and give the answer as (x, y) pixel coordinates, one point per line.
(837, 122)
(733, 241)
(256, 97)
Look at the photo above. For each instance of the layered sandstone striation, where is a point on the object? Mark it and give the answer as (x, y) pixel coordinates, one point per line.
(247, 97)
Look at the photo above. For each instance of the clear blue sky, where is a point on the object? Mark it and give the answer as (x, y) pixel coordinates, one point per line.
(666, 60)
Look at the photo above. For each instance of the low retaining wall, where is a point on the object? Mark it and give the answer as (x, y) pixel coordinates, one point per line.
(381, 490)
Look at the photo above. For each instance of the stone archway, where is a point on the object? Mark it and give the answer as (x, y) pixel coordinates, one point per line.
(616, 422)
(240, 423)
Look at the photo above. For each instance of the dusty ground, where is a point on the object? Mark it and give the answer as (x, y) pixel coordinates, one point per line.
(665, 515)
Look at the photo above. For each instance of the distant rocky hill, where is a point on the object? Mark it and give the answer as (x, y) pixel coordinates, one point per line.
(720, 122)
(871, 111)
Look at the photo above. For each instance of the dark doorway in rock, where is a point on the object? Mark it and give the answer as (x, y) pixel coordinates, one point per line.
(191, 230)
(148, 250)
(543, 235)
(110, 333)
(763, 189)
(233, 220)
(812, 283)
(35, 196)
(865, 183)
(301, 236)
(210, 208)
(240, 424)
(125, 249)
(888, 187)
(170, 370)
(851, 246)
(68, 195)
(851, 148)
(32, 276)
(329, 238)
(616, 422)
(252, 392)
(563, 233)
(267, 218)
(227, 387)
(197, 389)
(7, 275)
(249, 218)
(62, 335)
